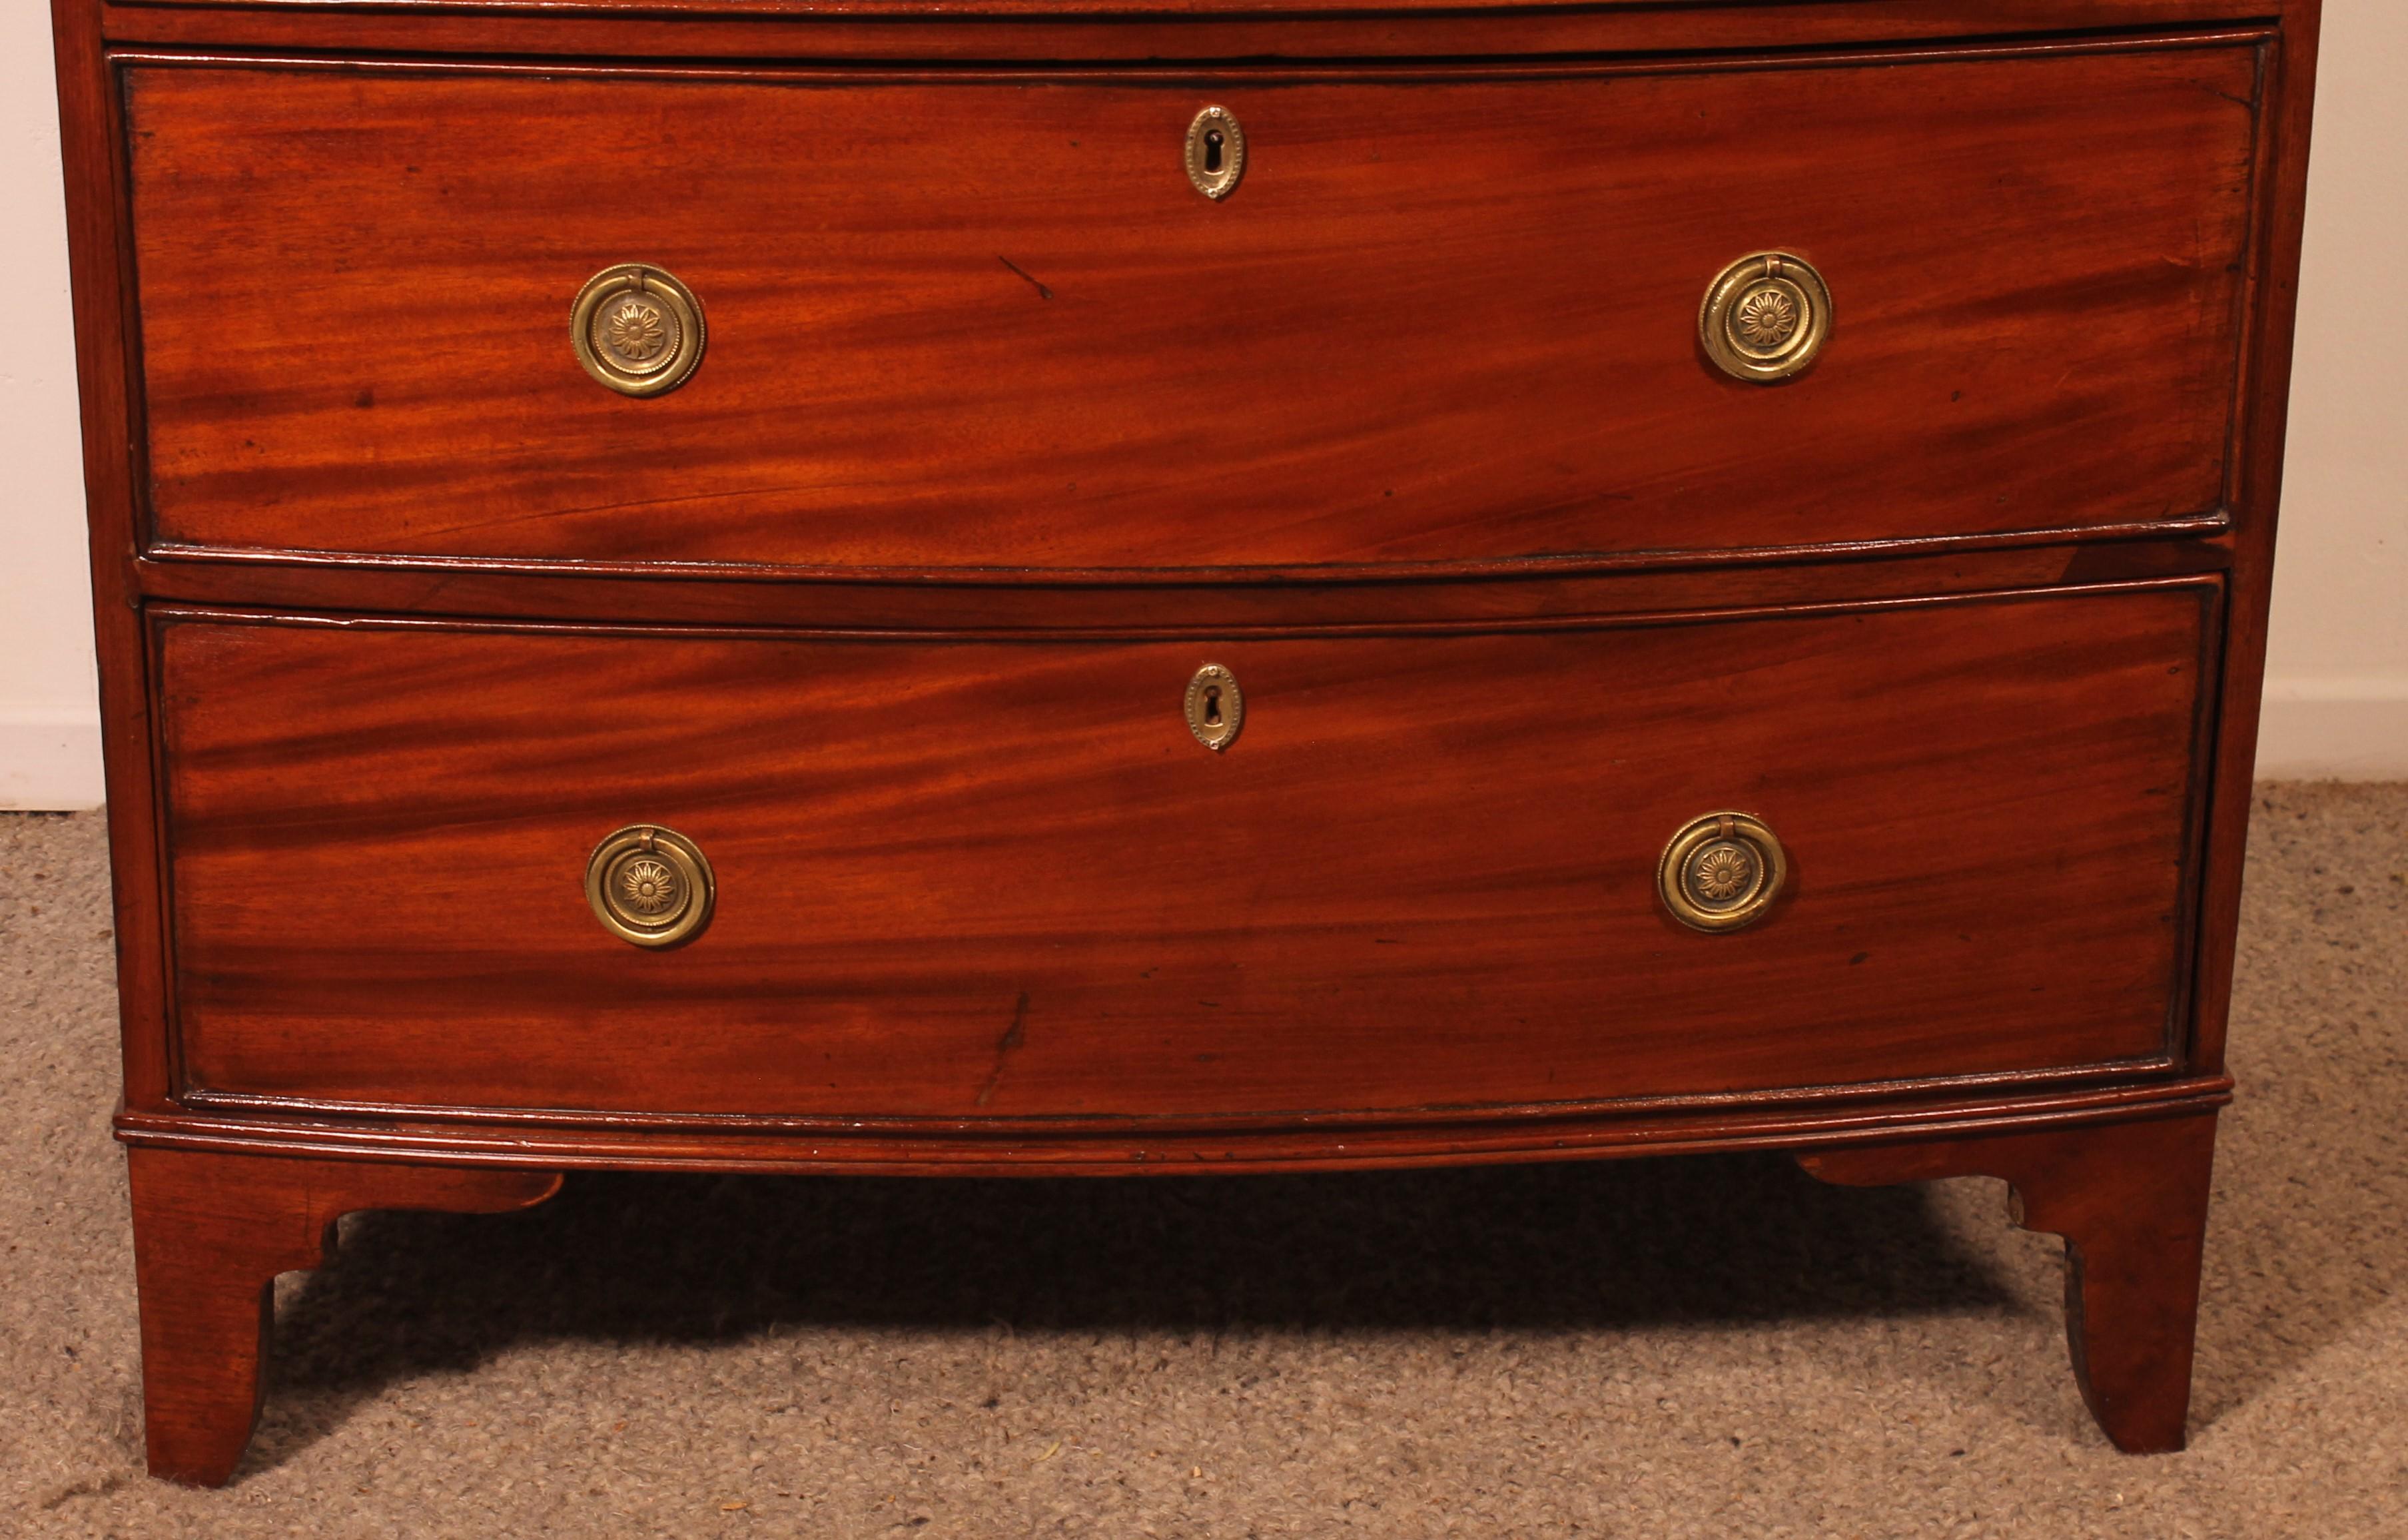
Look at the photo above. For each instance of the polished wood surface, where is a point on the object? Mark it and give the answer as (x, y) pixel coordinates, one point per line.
(1203, 606)
(2063, 236)
(1820, 1118)
(2281, 172)
(985, 323)
(210, 1234)
(1000, 878)
(1051, 31)
(2131, 1200)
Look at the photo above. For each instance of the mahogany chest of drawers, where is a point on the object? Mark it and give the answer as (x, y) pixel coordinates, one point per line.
(1061, 586)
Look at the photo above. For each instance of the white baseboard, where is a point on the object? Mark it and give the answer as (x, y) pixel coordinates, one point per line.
(49, 761)
(2333, 729)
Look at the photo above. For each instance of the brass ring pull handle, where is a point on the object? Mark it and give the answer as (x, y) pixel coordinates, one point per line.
(1721, 871)
(1765, 317)
(649, 886)
(636, 329)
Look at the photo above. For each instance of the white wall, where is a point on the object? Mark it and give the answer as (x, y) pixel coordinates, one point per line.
(2337, 676)
(2337, 657)
(50, 717)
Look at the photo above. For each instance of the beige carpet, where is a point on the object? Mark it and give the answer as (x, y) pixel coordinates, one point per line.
(1709, 1348)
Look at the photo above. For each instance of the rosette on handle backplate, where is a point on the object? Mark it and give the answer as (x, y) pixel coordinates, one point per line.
(636, 329)
(1721, 871)
(1765, 317)
(649, 886)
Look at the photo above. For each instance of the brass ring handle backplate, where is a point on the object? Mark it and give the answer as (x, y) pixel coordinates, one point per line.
(1765, 317)
(636, 329)
(1721, 871)
(649, 886)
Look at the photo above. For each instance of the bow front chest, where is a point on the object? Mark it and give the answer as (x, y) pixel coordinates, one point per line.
(1175, 587)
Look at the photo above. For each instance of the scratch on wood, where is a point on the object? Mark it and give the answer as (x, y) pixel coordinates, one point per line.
(1012, 1037)
(1042, 291)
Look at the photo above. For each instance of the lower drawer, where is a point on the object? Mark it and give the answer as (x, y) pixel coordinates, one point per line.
(979, 878)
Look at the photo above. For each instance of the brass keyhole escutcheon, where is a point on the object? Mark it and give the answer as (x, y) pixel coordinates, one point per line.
(1721, 871)
(1216, 153)
(649, 886)
(1215, 707)
(1765, 317)
(636, 329)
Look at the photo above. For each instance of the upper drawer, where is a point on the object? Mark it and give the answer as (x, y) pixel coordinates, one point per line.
(987, 323)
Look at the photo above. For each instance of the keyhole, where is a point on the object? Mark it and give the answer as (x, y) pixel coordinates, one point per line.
(1211, 705)
(1212, 152)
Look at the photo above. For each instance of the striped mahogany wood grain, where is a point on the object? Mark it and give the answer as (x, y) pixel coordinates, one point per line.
(2051, 734)
(1880, 1112)
(1047, 32)
(969, 878)
(985, 323)
(449, 587)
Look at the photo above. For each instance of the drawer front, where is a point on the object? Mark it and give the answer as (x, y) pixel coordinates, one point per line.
(993, 879)
(988, 323)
